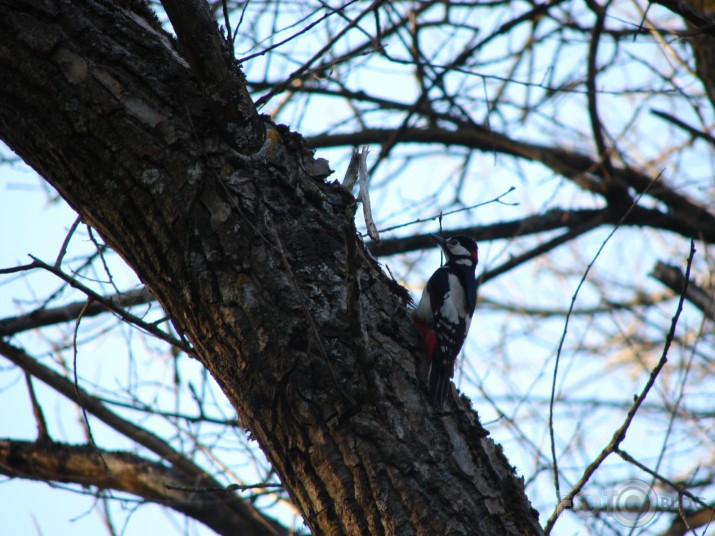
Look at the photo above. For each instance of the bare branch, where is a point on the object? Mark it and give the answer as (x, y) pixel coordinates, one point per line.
(694, 132)
(615, 193)
(364, 195)
(216, 70)
(554, 219)
(687, 217)
(149, 328)
(673, 278)
(701, 21)
(229, 513)
(42, 434)
(620, 434)
(67, 313)
(677, 487)
(125, 472)
(279, 88)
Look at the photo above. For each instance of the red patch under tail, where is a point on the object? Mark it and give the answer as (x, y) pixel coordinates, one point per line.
(430, 337)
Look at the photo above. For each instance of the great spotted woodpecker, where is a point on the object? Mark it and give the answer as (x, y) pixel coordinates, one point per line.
(445, 311)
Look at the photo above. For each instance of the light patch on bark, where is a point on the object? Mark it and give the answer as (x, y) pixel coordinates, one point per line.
(460, 450)
(72, 66)
(142, 111)
(220, 210)
(241, 185)
(141, 21)
(152, 178)
(108, 82)
(194, 172)
(135, 107)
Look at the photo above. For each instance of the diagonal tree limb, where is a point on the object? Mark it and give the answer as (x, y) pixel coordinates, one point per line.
(46, 317)
(229, 513)
(539, 223)
(128, 473)
(694, 132)
(580, 168)
(541, 249)
(673, 278)
(698, 19)
(220, 77)
(125, 315)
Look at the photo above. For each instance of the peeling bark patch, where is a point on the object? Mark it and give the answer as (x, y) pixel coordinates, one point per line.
(109, 83)
(220, 210)
(137, 108)
(241, 185)
(460, 449)
(163, 38)
(143, 111)
(74, 67)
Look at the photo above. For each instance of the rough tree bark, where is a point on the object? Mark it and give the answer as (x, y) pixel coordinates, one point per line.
(255, 258)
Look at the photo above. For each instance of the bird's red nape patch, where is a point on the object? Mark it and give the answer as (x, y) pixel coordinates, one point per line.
(430, 337)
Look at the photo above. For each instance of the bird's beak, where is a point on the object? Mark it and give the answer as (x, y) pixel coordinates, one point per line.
(442, 242)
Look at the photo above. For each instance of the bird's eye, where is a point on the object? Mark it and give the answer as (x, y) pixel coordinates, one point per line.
(453, 242)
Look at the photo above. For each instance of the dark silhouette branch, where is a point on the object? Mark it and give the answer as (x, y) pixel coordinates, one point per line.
(685, 217)
(67, 313)
(701, 21)
(229, 514)
(673, 278)
(217, 72)
(694, 132)
(126, 472)
(551, 220)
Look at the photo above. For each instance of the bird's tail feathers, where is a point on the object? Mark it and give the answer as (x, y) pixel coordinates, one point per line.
(439, 376)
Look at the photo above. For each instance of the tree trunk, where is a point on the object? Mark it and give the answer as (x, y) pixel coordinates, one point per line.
(255, 258)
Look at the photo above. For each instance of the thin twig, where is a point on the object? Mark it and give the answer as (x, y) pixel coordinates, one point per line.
(596, 124)
(497, 199)
(552, 439)
(319, 54)
(65, 243)
(564, 238)
(620, 434)
(101, 248)
(677, 487)
(21, 268)
(298, 34)
(227, 22)
(364, 196)
(124, 315)
(80, 401)
(42, 433)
